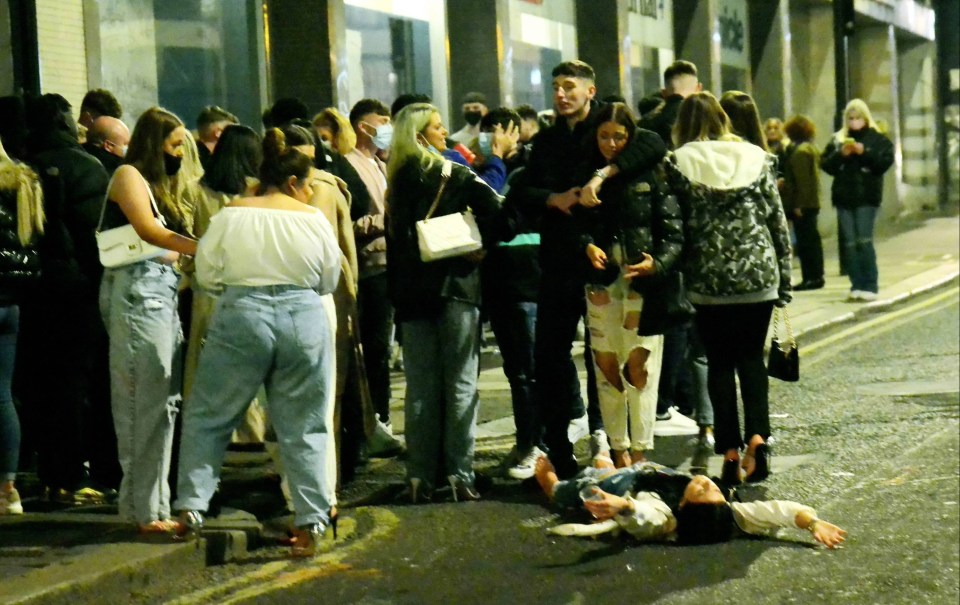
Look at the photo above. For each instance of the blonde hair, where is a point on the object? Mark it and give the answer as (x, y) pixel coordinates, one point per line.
(410, 122)
(30, 217)
(186, 192)
(344, 138)
(859, 107)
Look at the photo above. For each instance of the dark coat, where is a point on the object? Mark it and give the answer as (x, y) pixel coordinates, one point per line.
(19, 265)
(420, 290)
(556, 165)
(662, 119)
(858, 179)
(74, 188)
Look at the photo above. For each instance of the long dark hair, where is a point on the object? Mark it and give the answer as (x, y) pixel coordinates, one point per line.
(281, 161)
(744, 117)
(236, 157)
(700, 118)
(618, 113)
(145, 153)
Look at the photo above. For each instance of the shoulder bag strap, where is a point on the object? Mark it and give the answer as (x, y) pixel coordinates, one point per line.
(106, 200)
(444, 176)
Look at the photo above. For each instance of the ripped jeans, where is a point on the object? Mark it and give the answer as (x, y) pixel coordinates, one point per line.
(628, 365)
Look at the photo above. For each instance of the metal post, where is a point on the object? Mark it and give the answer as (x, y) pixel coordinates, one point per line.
(842, 30)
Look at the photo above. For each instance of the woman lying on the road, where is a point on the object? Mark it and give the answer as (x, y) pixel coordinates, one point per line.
(652, 502)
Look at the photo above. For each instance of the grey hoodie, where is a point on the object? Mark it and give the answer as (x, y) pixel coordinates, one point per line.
(737, 243)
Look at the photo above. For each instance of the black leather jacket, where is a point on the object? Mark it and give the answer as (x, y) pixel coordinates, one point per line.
(858, 179)
(420, 290)
(19, 265)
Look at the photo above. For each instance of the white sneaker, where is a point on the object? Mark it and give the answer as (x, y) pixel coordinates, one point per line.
(578, 429)
(382, 444)
(867, 296)
(10, 503)
(524, 467)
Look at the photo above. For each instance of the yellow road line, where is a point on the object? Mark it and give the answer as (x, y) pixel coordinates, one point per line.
(882, 319)
(273, 576)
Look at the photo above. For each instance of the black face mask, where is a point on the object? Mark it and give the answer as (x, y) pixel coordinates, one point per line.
(472, 117)
(171, 163)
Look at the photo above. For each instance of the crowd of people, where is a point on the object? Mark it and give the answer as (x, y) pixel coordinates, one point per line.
(285, 264)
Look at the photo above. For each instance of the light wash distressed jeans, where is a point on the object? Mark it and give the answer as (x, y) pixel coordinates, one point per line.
(441, 359)
(138, 303)
(278, 336)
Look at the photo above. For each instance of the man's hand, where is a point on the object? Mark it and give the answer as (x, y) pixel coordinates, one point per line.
(598, 258)
(607, 506)
(589, 194)
(505, 141)
(564, 201)
(642, 269)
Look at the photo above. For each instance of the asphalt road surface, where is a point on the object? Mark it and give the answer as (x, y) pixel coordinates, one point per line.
(869, 437)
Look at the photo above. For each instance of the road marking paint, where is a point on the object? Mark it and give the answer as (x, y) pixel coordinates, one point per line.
(843, 340)
(271, 576)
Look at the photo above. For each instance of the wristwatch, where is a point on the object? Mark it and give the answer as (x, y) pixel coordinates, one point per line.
(600, 174)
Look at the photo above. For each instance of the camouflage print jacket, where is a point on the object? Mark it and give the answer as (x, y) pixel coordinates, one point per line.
(737, 246)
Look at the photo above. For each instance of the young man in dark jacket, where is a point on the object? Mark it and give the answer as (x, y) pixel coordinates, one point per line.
(549, 188)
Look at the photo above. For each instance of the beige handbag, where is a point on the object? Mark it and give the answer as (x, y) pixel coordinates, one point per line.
(448, 235)
(122, 245)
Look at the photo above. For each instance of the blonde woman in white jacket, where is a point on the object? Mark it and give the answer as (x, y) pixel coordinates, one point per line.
(737, 267)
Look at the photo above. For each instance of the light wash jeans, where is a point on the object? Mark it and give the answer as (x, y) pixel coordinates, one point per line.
(278, 336)
(138, 303)
(9, 422)
(857, 226)
(441, 358)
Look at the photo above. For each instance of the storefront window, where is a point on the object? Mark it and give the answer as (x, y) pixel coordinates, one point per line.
(542, 35)
(734, 52)
(183, 55)
(650, 24)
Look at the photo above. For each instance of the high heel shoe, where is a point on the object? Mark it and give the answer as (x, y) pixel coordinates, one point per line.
(730, 473)
(461, 491)
(190, 524)
(334, 517)
(761, 468)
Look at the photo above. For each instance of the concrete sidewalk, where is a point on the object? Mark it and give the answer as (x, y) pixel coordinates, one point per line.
(58, 556)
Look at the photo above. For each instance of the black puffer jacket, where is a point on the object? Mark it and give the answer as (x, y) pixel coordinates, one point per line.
(556, 165)
(637, 216)
(419, 290)
(858, 179)
(662, 119)
(19, 265)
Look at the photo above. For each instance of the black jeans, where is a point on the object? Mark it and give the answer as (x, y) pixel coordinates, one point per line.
(376, 318)
(809, 245)
(561, 305)
(733, 337)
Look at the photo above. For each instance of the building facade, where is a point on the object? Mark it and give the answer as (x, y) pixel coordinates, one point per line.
(793, 56)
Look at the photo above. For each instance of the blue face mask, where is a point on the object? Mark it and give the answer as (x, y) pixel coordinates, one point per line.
(485, 142)
(383, 136)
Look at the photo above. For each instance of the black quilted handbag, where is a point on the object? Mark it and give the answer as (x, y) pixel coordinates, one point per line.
(784, 360)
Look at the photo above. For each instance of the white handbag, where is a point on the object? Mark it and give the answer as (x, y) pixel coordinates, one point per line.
(448, 235)
(122, 245)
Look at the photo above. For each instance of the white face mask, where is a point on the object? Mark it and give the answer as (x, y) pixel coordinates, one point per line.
(383, 135)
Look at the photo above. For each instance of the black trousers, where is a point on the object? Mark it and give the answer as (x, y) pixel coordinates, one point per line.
(809, 245)
(560, 306)
(733, 337)
(376, 319)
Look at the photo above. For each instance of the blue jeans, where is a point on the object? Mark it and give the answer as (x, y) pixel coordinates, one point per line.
(9, 422)
(138, 303)
(441, 359)
(514, 325)
(281, 337)
(857, 225)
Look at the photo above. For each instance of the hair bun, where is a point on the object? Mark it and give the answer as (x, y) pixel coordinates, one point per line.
(274, 143)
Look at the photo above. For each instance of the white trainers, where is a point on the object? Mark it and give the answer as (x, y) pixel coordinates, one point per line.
(10, 503)
(382, 444)
(524, 467)
(578, 429)
(867, 296)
